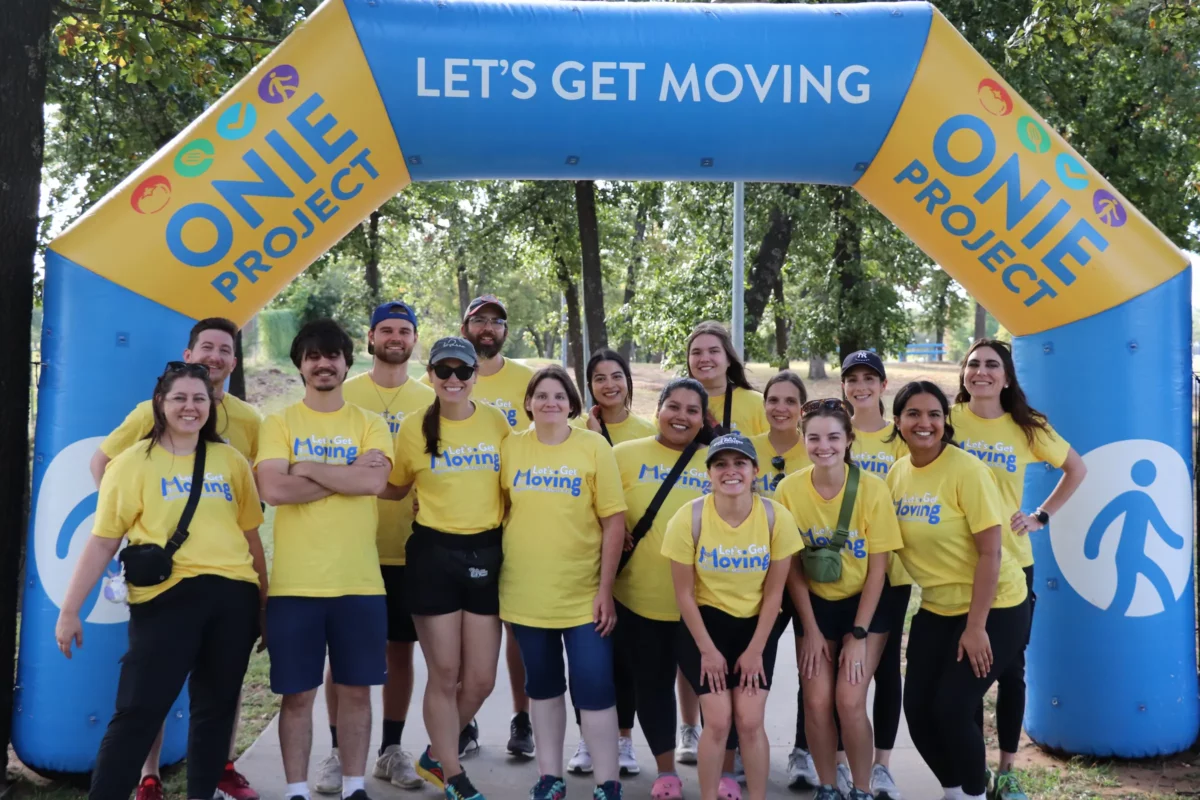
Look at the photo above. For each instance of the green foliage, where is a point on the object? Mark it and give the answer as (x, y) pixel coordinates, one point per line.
(276, 329)
(336, 290)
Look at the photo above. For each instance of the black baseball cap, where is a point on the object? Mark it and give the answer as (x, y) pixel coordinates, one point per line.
(731, 441)
(394, 310)
(485, 300)
(864, 358)
(452, 347)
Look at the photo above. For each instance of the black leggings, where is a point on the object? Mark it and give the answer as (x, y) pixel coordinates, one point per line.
(942, 694)
(645, 650)
(1010, 688)
(623, 683)
(205, 626)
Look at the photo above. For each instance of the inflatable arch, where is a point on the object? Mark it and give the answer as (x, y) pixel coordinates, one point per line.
(369, 95)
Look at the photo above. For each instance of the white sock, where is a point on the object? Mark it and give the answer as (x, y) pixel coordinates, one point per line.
(352, 785)
(952, 793)
(297, 790)
(966, 796)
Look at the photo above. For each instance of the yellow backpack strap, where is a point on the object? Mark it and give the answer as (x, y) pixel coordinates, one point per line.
(697, 515)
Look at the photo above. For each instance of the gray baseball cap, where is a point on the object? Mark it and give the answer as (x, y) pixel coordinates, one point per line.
(731, 441)
(452, 347)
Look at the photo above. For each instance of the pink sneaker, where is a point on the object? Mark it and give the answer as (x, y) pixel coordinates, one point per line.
(667, 787)
(728, 789)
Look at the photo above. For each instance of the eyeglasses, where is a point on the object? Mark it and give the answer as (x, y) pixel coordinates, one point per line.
(778, 463)
(484, 322)
(828, 404)
(198, 370)
(462, 372)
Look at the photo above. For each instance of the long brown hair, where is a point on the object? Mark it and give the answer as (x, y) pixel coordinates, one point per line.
(908, 392)
(735, 373)
(1012, 396)
(787, 376)
(837, 412)
(607, 354)
(163, 387)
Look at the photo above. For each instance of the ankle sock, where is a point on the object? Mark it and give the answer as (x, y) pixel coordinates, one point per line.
(352, 785)
(297, 790)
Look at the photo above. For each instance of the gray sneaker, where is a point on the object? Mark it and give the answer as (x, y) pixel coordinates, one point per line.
(845, 781)
(827, 793)
(801, 771)
(687, 750)
(329, 775)
(396, 767)
(883, 785)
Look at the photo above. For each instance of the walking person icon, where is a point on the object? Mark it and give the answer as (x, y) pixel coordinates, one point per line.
(1141, 515)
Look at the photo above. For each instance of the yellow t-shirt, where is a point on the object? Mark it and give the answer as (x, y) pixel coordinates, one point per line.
(875, 455)
(794, 460)
(504, 390)
(237, 424)
(552, 537)
(633, 427)
(644, 586)
(144, 498)
(325, 548)
(873, 526)
(458, 490)
(392, 405)
(940, 507)
(1001, 444)
(747, 414)
(731, 563)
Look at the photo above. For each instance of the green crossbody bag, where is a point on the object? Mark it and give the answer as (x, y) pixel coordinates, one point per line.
(824, 564)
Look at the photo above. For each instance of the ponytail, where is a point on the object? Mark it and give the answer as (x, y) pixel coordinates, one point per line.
(431, 427)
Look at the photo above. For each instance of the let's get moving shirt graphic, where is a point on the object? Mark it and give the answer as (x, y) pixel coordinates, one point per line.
(180, 486)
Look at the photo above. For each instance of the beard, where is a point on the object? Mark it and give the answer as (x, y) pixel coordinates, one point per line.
(394, 356)
(488, 350)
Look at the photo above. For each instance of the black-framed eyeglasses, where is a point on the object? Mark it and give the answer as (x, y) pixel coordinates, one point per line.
(197, 370)
(484, 322)
(463, 371)
(827, 404)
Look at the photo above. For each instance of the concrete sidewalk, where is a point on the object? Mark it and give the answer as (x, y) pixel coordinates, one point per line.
(501, 777)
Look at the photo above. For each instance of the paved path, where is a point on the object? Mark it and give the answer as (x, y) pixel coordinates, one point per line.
(501, 778)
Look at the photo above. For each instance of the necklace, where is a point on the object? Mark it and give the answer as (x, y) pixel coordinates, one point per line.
(387, 404)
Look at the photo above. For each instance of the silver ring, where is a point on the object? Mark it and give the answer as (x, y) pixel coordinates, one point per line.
(858, 663)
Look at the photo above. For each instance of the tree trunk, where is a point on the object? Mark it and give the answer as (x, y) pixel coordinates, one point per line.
(593, 279)
(848, 269)
(941, 305)
(566, 283)
(371, 271)
(631, 271)
(237, 379)
(767, 267)
(24, 42)
(980, 320)
(464, 289)
(816, 368)
(781, 326)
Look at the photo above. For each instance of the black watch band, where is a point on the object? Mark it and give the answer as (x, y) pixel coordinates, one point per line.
(859, 632)
(1042, 516)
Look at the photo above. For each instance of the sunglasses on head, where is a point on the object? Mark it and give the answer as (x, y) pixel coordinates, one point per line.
(828, 404)
(198, 370)
(463, 372)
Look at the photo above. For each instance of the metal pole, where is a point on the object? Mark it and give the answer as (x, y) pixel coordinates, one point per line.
(563, 328)
(739, 267)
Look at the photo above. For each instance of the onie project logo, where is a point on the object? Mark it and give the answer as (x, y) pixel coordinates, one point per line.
(1124, 540)
(66, 508)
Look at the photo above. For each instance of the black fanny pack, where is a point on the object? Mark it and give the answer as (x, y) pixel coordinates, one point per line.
(150, 564)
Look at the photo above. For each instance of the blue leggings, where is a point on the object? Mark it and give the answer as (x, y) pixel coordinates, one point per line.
(589, 662)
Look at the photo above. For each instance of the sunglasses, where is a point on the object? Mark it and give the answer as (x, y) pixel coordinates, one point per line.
(777, 463)
(444, 371)
(198, 370)
(828, 404)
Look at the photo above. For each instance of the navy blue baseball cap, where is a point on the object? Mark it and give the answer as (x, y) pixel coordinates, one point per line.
(394, 310)
(731, 441)
(864, 358)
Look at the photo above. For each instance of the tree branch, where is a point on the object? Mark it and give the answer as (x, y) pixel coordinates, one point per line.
(195, 30)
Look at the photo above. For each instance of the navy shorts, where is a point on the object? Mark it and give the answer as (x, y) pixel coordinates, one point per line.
(353, 628)
(835, 618)
(400, 626)
(589, 662)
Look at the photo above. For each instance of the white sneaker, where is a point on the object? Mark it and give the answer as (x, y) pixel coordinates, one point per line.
(801, 771)
(581, 762)
(739, 770)
(688, 747)
(845, 781)
(626, 757)
(883, 786)
(329, 775)
(396, 767)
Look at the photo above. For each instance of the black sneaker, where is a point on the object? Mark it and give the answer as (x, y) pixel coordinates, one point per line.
(520, 739)
(361, 794)
(468, 739)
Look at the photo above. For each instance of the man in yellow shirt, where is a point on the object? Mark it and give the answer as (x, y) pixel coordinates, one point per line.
(211, 343)
(321, 463)
(387, 390)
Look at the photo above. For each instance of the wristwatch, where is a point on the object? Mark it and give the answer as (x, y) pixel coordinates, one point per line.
(1042, 516)
(859, 632)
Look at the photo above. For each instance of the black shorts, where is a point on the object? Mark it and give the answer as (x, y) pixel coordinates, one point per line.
(732, 636)
(400, 626)
(835, 618)
(449, 572)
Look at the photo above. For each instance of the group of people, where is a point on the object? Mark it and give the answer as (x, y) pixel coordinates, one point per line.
(482, 502)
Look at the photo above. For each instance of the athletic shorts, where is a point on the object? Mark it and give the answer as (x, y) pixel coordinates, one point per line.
(400, 626)
(732, 636)
(835, 618)
(353, 629)
(450, 572)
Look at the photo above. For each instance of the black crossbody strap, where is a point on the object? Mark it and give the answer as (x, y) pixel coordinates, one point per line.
(643, 525)
(604, 432)
(181, 530)
(727, 423)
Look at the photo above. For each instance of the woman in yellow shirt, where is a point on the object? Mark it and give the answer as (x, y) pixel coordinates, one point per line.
(782, 446)
(840, 620)
(450, 456)
(562, 541)
(647, 614)
(201, 620)
(974, 605)
(731, 552)
(875, 449)
(712, 360)
(994, 422)
(611, 385)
